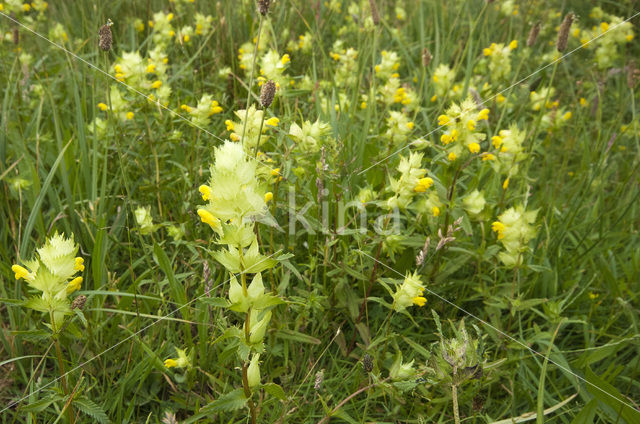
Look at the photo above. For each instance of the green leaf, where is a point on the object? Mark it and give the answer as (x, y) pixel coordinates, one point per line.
(40, 405)
(296, 336)
(587, 413)
(218, 302)
(92, 409)
(231, 401)
(266, 301)
(177, 290)
(275, 390)
(611, 397)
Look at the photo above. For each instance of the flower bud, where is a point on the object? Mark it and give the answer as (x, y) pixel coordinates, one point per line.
(253, 371)
(258, 328)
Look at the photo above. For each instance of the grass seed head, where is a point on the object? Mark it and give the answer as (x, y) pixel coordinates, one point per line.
(563, 32)
(533, 34)
(263, 6)
(374, 12)
(78, 302)
(267, 93)
(106, 38)
(426, 57)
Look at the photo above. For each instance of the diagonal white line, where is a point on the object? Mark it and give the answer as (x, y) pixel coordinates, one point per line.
(157, 102)
(464, 112)
(123, 340)
(505, 334)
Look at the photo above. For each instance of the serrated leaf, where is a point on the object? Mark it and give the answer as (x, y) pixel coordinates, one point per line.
(231, 401)
(275, 390)
(92, 409)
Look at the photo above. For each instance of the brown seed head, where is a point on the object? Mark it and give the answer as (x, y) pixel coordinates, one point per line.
(367, 363)
(106, 38)
(533, 34)
(78, 302)
(563, 32)
(426, 57)
(267, 93)
(263, 6)
(374, 12)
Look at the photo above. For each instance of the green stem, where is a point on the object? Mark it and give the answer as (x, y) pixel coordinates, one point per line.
(454, 395)
(251, 71)
(63, 379)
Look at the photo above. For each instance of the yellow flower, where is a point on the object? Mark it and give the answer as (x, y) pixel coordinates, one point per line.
(26, 7)
(234, 137)
(268, 196)
(452, 156)
(102, 106)
(285, 59)
(583, 101)
(446, 139)
(443, 120)
(420, 301)
(474, 147)
(483, 115)
(208, 218)
(229, 124)
(513, 45)
(593, 296)
(488, 156)
(435, 211)
(21, 272)
(496, 140)
(74, 285)
(363, 105)
(216, 109)
(410, 125)
(170, 363)
(151, 68)
(205, 190)
(505, 184)
(186, 38)
(156, 84)
(130, 115)
(434, 98)
(79, 266)
(273, 122)
(185, 108)
(499, 228)
(471, 124)
(423, 185)
(567, 116)
(275, 172)
(500, 98)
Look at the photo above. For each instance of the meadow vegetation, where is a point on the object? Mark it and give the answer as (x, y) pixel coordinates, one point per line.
(297, 211)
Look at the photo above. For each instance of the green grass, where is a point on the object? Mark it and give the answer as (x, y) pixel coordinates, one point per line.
(574, 300)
